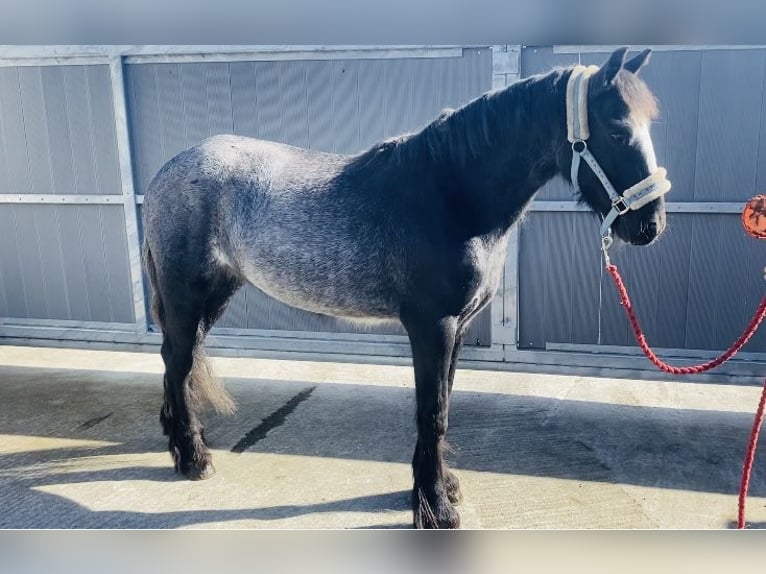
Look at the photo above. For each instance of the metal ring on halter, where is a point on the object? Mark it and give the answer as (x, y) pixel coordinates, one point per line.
(584, 146)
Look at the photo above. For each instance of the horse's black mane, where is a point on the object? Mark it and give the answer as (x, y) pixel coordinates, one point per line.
(460, 135)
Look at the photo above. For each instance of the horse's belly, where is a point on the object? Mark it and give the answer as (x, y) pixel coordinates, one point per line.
(319, 293)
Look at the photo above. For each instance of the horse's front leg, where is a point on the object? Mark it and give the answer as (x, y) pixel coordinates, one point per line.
(452, 483)
(432, 343)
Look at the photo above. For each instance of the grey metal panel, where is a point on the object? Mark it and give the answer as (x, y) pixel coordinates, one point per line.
(56, 107)
(48, 230)
(12, 278)
(674, 77)
(397, 87)
(722, 277)
(345, 110)
(17, 169)
(73, 261)
(341, 106)
(585, 277)
(673, 283)
(29, 257)
(101, 109)
(558, 266)
(533, 277)
(117, 267)
(372, 102)
(320, 86)
(293, 85)
(268, 97)
(91, 130)
(64, 262)
(36, 131)
(105, 264)
(731, 93)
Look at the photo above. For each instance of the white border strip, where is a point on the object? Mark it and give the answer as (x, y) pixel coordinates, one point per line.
(59, 199)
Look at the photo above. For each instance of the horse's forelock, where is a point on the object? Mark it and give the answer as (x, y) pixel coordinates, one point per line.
(637, 96)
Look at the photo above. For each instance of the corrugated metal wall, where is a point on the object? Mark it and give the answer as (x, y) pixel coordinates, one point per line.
(57, 136)
(338, 106)
(697, 287)
(66, 264)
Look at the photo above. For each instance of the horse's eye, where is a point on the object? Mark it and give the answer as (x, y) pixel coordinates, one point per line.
(619, 137)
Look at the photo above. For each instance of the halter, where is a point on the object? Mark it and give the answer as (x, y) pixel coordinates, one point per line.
(645, 191)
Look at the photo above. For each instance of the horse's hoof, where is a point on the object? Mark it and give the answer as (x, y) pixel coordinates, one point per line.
(452, 486)
(200, 471)
(441, 514)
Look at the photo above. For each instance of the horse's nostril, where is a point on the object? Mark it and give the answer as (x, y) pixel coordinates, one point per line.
(652, 228)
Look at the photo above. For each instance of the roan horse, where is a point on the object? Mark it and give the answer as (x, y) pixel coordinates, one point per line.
(415, 229)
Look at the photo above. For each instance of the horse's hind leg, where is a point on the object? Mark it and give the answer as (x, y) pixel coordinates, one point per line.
(432, 342)
(182, 338)
(189, 316)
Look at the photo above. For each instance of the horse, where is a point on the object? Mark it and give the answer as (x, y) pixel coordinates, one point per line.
(412, 230)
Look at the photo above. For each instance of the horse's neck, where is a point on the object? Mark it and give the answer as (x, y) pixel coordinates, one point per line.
(524, 126)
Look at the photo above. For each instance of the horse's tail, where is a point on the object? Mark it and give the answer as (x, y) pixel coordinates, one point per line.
(157, 306)
(204, 386)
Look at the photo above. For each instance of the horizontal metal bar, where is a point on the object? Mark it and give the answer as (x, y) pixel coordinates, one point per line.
(55, 198)
(41, 334)
(585, 49)
(674, 207)
(71, 55)
(667, 353)
(276, 55)
(65, 324)
(609, 365)
(326, 335)
(53, 61)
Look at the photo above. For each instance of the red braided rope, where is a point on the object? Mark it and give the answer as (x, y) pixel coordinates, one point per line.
(663, 366)
(760, 313)
(749, 457)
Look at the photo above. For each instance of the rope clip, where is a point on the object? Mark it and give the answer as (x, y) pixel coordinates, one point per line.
(606, 243)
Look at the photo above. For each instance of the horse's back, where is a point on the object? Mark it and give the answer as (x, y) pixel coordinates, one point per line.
(284, 218)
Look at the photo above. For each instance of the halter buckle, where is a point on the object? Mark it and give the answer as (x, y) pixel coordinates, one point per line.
(582, 146)
(620, 205)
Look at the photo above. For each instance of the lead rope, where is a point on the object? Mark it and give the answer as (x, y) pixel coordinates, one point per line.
(747, 466)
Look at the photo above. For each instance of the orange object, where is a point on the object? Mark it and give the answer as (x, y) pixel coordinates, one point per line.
(754, 217)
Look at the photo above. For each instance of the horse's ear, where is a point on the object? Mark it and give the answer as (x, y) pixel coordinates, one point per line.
(608, 71)
(639, 61)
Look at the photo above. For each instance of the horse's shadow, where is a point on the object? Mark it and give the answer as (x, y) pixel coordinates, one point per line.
(697, 450)
(36, 508)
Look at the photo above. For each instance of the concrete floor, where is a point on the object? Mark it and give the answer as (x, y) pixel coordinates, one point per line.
(80, 446)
